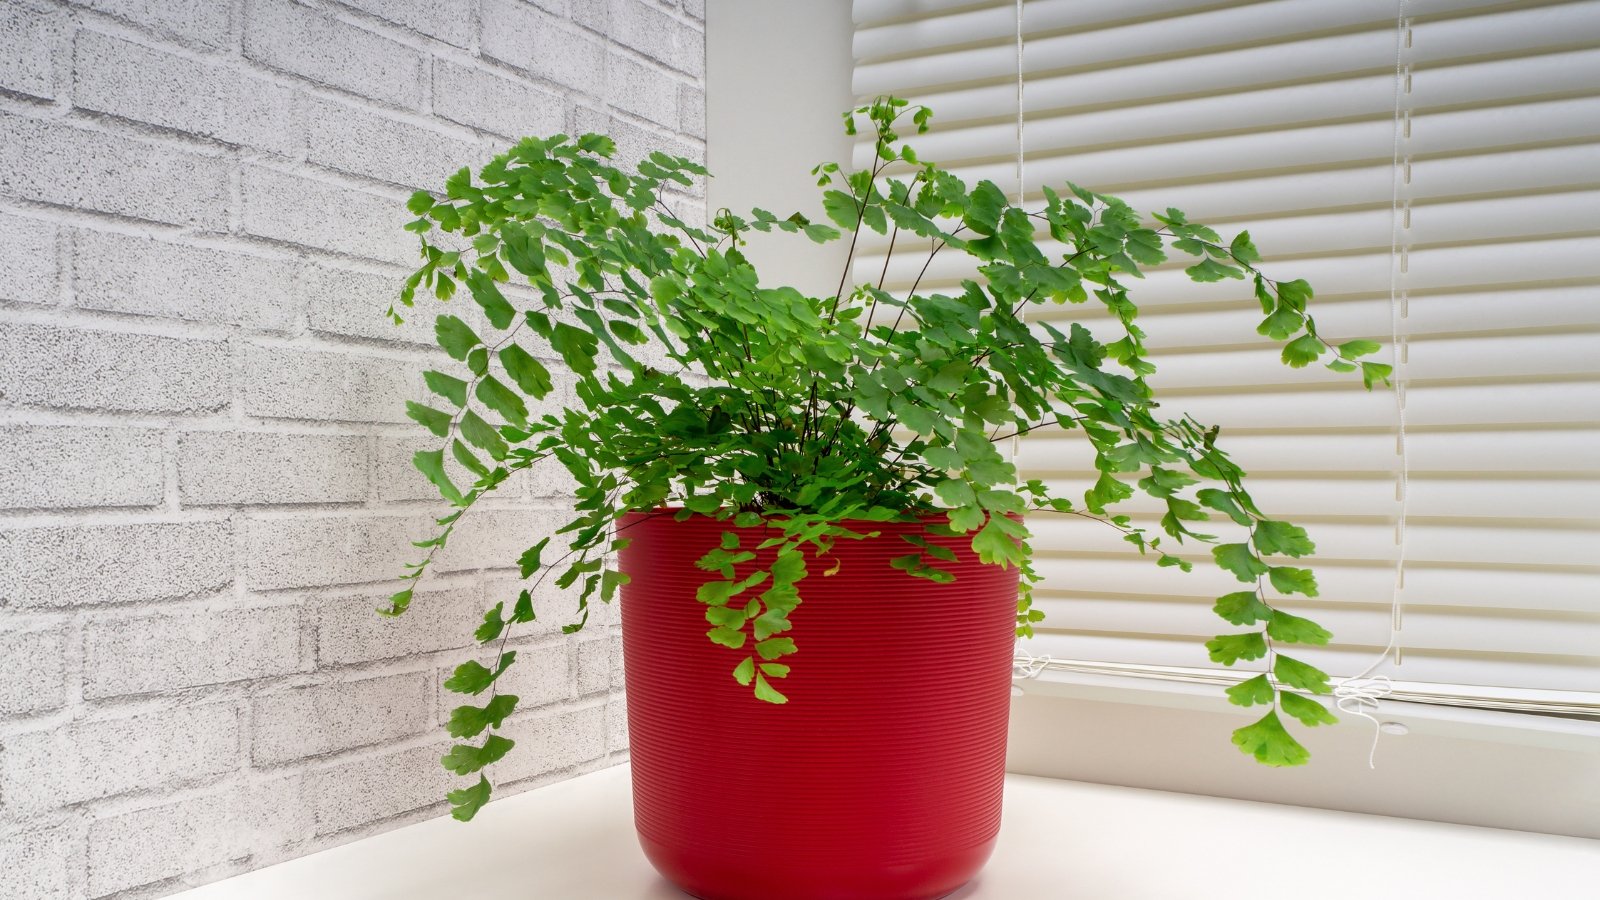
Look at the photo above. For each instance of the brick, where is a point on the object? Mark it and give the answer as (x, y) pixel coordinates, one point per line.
(541, 675)
(314, 45)
(323, 216)
(553, 606)
(376, 788)
(616, 723)
(41, 863)
(301, 551)
(641, 90)
(240, 467)
(547, 742)
(56, 567)
(495, 538)
(647, 29)
(179, 650)
(349, 629)
(599, 663)
(204, 22)
(57, 163)
(90, 759)
(594, 15)
(692, 111)
(206, 99)
(291, 383)
(352, 303)
(696, 8)
(33, 674)
(156, 843)
(633, 143)
(448, 20)
(50, 467)
(342, 137)
(29, 38)
(398, 479)
(127, 274)
(485, 100)
(73, 368)
(325, 718)
(539, 43)
(28, 267)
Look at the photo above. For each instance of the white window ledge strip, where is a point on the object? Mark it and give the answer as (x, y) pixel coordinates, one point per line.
(1422, 708)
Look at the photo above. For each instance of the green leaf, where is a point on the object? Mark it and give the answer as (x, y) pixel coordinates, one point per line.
(772, 648)
(1308, 711)
(464, 759)
(1252, 691)
(1373, 373)
(745, 671)
(470, 721)
(531, 376)
(467, 460)
(1209, 269)
(767, 692)
(429, 418)
(1282, 538)
(731, 638)
(1294, 294)
(500, 398)
(522, 611)
(1222, 502)
(841, 208)
(496, 308)
(1297, 674)
(466, 802)
(1269, 743)
(1282, 324)
(1353, 349)
(472, 677)
(1296, 630)
(1242, 608)
(452, 389)
(771, 622)
(576, 346)
(529, 562)
(431, 464)
(955, 492)
(1289, 580)
(1238, 559)
(983, 216)
(1302, 351)
(1230, 648)
(1243, 250)
(492, 624)
(455, 337)
(482, 435)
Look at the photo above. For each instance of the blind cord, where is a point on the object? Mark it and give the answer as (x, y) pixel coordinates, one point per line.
(1359, 694)
(1016, 439)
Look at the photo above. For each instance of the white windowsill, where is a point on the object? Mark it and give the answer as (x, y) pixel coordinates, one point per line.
(1060, 840)
(1552, 732)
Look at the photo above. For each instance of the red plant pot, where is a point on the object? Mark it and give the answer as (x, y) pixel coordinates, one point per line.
(880, 779)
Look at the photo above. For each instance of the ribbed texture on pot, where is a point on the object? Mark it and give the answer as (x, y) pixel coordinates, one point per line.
(880, 779)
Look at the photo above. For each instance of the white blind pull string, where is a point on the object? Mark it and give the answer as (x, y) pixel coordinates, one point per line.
(1022, 192)
(1359, 695)
(1028, 666)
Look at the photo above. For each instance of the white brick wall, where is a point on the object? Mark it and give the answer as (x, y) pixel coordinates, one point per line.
(205, 488)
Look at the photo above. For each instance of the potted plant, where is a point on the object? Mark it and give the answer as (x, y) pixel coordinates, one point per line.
(739, 448)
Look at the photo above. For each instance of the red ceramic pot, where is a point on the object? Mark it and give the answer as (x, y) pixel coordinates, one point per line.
(880, 779)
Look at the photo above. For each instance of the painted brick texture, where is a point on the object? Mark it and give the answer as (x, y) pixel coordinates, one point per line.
(205, 488)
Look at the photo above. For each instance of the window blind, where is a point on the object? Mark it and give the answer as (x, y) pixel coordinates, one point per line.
(1433, 169)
